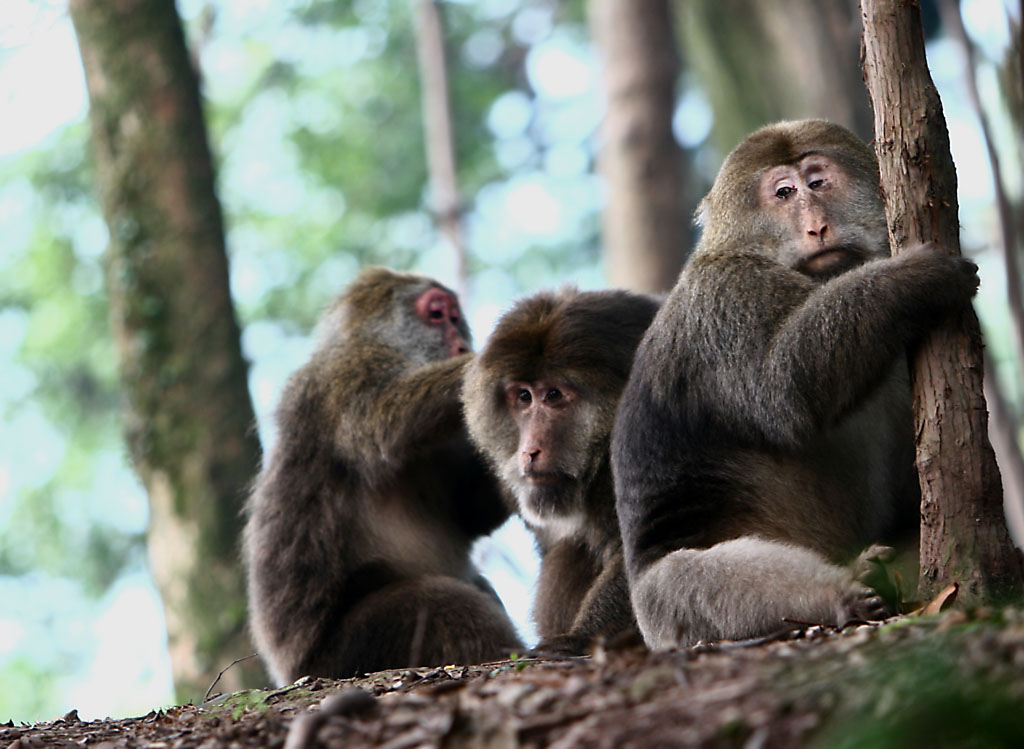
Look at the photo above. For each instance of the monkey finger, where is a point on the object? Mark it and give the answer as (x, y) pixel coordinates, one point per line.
(878, 553)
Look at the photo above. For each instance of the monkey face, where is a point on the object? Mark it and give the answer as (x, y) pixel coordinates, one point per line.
(550, 467)
(824, 222)
(429, 323)
(439, 310)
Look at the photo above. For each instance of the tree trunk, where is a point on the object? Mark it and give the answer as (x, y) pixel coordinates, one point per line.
(780, 60)
(645, 228)
(963, 529)
(439, 140)
(188, 417)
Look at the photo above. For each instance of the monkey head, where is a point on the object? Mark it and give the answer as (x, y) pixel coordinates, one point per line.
(540, 397)
(403, 310)
(805, 193)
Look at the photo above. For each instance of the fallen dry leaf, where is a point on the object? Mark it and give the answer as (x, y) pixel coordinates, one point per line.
(942, 601)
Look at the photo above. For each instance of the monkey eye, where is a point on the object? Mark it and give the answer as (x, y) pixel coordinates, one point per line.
(436, 314)
(784, 192)
(554, 394)
(524, 396)
(816, 184)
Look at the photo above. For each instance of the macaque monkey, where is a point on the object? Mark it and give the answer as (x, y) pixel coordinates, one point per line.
(360, 524)
(765, 434)
(539, 400)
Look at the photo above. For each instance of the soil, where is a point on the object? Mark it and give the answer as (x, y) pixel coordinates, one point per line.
(954, 679)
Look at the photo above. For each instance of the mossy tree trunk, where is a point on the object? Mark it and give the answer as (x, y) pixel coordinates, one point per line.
(188, 416)
(645, 233)
(963, 528)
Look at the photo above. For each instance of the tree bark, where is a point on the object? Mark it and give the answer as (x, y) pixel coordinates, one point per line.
(439, 139)
(645, 228)
(188, 417)
(963, 528)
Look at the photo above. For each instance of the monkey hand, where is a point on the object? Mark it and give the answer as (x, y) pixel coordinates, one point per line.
(873, 593)
(861, 604)
(954, 275)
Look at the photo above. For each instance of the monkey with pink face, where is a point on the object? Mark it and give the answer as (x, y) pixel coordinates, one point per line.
(765, 434)
(361, 520)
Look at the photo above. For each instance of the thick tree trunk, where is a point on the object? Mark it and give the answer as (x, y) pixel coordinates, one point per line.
(188, 417)
(645, 227)
(963, 529)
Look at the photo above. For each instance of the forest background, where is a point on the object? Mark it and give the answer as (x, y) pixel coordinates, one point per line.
(314, 115)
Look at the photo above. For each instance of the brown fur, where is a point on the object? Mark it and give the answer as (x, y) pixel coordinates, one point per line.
(584, 341)
(360, 524)
(765, 433)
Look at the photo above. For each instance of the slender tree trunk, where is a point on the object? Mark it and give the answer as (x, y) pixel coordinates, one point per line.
(645, 227)
(188, 417)
(1003, 427)
(1003, 431)
(963, 528)
(437, 122)
(951, 19)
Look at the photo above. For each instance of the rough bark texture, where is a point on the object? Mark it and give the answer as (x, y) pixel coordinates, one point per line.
(963, 530)
(188, 417)
(645, 228)
(437, 122)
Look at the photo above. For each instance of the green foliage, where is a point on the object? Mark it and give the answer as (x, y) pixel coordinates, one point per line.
(15, 700)
(52, 285)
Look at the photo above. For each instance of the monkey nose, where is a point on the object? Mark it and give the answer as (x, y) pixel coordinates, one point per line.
(819, 232)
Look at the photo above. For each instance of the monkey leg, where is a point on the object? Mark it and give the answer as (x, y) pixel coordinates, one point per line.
(424, 621)
(745, 587)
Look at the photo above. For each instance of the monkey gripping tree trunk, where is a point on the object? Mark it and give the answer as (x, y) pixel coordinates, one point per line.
(963, 528)
(188, 416)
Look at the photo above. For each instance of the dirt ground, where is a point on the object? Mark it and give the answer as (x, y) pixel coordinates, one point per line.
(951, 680)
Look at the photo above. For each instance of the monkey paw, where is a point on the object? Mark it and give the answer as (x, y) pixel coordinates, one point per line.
(873, 568)
(861, 604)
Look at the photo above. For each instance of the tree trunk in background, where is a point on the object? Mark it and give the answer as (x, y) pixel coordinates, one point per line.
(645, 226)
(1003, 428)
(782, 60)
(963, 529)
(188, 417)
(438, 136)
(1003, 431)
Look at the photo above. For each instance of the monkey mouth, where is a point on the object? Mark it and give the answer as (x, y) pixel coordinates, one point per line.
(831, 261)
(547, 477)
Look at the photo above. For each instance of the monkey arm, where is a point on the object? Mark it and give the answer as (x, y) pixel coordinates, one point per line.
(743, 588)
(836, 347)
(579, 600)
(605, 610)
(389, 417)
(791, 356)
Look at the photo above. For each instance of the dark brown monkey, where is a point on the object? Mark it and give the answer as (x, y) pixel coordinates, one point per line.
(540, 399)
(360, 523)
(765, 433)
